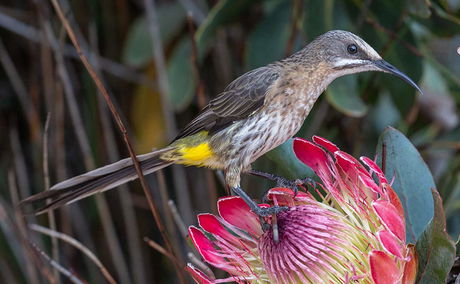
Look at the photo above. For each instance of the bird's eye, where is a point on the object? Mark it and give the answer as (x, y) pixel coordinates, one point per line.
(352, 48)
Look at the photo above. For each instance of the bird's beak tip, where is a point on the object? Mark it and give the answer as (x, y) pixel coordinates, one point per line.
(387, 67)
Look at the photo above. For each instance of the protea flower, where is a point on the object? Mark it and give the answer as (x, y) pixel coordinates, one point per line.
(355, 233)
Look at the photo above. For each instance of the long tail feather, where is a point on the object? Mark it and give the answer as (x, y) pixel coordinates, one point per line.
(96, 181)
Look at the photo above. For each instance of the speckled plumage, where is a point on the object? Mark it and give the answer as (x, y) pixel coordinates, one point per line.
(287, 103)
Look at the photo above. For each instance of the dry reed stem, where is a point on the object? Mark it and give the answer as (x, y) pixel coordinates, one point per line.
(83, 142)
(72, 277)
(116, 69)
(158, 248)
(46, 184)
(116, 116)
(180, 184)
(78, 245)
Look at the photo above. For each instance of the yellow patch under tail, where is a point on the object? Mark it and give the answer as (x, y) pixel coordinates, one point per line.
(195, 155)
(193, 150)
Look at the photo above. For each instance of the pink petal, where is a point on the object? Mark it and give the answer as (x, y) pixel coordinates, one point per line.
(310, 154)
(383, 268)
(410, 269)
(235, 211)
(331, 147)
(281, 196)
(373, 167)
(198, 275)
(394, 199)
(348, 164)
(390, 217)
(212, 225)
(205, 247)
(391, 244)
(369, 182)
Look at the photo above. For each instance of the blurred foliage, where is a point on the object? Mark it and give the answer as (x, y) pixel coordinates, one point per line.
(419, 37)
(435, 249)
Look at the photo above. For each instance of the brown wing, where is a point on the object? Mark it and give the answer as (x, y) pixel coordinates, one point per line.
(240, 99)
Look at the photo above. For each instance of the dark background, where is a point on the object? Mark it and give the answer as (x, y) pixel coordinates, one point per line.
(204, 45)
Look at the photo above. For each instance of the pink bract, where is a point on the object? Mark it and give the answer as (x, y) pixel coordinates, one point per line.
(354, 233)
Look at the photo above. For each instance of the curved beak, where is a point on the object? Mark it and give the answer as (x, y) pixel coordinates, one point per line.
(388, 68)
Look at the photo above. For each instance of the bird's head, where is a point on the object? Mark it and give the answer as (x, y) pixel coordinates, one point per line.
(346, 53)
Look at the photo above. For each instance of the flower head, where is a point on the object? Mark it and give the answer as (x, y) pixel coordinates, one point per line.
(354, 233)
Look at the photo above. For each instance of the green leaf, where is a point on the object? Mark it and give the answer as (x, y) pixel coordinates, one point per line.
(412, 180)
(273, 31)
(435, 249)
(285, 159)
(385, 113)
(342, 95)
(138, 45)
(180, 75)
(223, 12)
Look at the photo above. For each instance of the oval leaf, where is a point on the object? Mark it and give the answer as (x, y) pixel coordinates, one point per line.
(342, 96)
(137, 50)
(180, 75)
(412, 180)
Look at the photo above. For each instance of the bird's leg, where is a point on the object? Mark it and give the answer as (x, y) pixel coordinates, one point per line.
(262, 212)
(283, 182)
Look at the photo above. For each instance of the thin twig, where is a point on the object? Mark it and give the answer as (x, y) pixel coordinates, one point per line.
(75, 243)
(127, 208)
(122, 128)
(17, 227)
(72, 277)
(19, 162)
(296, 21)
(158, 248)
(46, 58)
(83, 142)
(116, 69)
(212, 189)
(200, 90)
(46, 181)
(168, 217)
(160, 66)
(178, 219)
(76, 222)
(384, 157)
(20, 89)
(180, 184)
(393, 35)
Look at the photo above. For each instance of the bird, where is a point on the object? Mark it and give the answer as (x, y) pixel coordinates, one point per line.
(255, 113)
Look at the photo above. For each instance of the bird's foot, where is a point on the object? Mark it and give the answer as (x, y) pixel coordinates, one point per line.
(267, 211)
(284, 182)
(263, 212)
(259, 211)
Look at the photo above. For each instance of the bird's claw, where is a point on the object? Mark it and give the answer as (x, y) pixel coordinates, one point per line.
(267, 211)
(294, 184)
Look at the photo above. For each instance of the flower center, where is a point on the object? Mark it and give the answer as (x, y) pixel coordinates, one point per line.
(310, 240)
